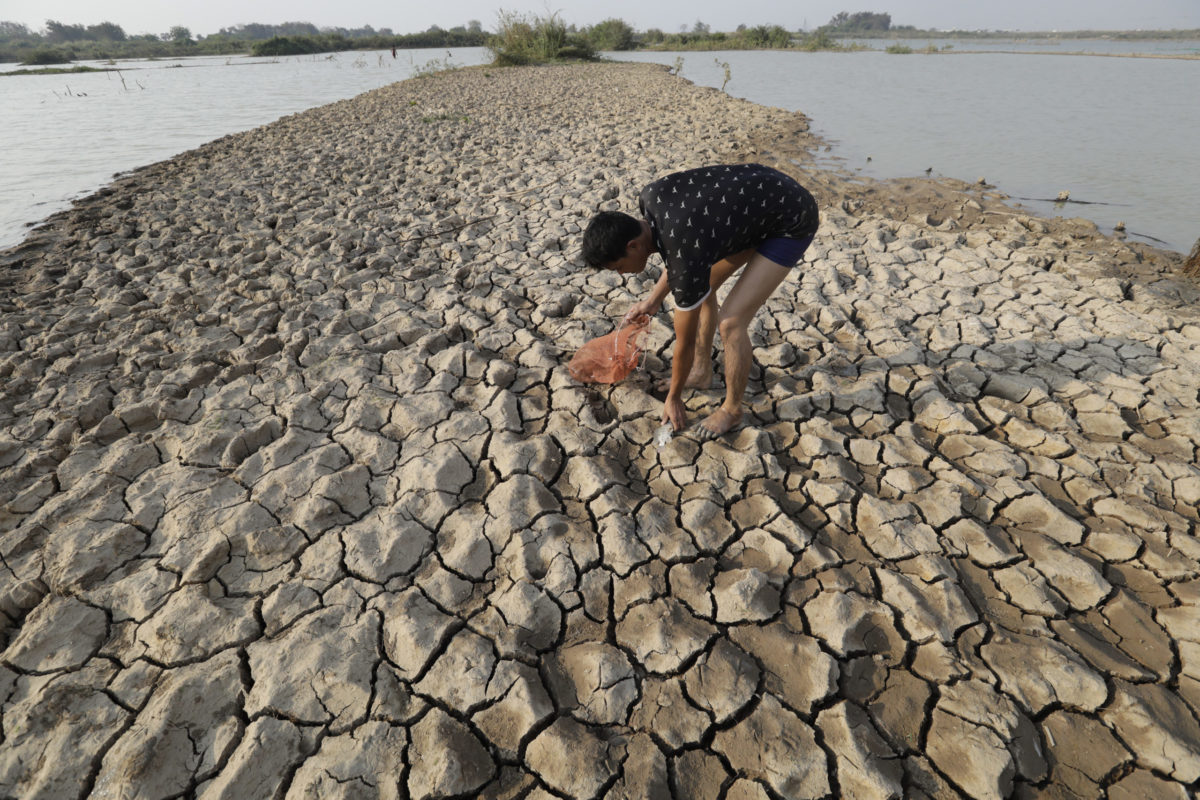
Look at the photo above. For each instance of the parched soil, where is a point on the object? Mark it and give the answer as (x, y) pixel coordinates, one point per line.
(297, 497)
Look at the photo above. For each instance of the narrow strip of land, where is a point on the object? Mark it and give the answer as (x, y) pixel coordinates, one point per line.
(296, 493)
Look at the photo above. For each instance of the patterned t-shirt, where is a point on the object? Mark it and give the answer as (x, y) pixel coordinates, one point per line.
(699, 216)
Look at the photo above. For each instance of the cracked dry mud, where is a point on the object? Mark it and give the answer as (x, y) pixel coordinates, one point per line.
(300, 501)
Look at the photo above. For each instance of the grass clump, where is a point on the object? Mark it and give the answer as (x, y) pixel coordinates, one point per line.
(432, 67)
(899, 49)
(54, 71)
(529, 39)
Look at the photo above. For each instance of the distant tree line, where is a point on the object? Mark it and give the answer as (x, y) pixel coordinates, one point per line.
(59, 43)
(302, 44)
(702, 37)
(525, 39)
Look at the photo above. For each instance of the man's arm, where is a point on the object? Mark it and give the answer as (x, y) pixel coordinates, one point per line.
(687, 323)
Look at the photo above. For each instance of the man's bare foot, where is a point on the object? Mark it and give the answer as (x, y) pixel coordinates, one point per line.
(717, 424)
(696, 379)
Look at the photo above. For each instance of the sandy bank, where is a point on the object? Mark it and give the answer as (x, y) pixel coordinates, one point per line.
(299, 499)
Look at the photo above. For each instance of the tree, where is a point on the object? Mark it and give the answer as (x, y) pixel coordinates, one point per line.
(611, 34)
(58, 32)
(700, 28)
(178, 34)
(253, 30)
(13, 30)
(296, 29)
(474, 26)
(861, 22)
(106, 32)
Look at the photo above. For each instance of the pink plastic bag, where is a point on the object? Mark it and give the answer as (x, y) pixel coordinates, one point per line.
(610, 358)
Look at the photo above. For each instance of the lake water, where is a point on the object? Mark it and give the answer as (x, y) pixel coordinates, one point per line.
(1116, 132)
(1160, 47)
(66, 135)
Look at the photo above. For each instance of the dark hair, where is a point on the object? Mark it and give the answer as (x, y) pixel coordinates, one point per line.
(607, 235)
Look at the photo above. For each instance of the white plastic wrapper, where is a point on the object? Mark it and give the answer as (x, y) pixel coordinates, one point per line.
(662, 436)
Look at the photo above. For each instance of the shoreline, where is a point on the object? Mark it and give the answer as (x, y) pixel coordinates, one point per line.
(24, 69)
(295, 489)
(920, 52)
(1175, 234)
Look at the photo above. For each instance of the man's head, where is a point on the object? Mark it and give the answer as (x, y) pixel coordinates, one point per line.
(614, 240)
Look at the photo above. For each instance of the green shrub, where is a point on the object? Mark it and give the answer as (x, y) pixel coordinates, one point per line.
(611, 34)
(821, 40)
(289, 46)
(760, 36)
(530, 39)
(509, 59)
(46, 55)
(899, 49)
(576, 51)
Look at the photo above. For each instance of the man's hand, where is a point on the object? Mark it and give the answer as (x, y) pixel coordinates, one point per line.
(674, 413)
(650, 306)
(642, 308)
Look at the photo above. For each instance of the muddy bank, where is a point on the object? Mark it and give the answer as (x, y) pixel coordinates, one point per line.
(299, 499)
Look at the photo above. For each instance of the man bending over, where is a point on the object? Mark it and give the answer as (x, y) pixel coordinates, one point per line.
(708, 223)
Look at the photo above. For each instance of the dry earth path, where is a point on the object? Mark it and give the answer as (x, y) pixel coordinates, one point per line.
(298, 499)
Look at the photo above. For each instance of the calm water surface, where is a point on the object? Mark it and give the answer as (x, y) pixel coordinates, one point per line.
(62, 136)
(1173, 47)
(1117, 132)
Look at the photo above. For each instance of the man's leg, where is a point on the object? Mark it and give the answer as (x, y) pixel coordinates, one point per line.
(753, 287)
(702, 368)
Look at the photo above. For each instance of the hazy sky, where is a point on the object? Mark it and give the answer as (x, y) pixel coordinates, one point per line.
(207, 16)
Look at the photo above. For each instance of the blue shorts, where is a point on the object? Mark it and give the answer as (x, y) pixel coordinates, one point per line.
(784, 252)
